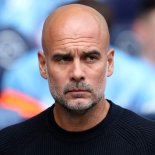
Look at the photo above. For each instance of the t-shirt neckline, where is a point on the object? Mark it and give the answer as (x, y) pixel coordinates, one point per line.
(112, 116)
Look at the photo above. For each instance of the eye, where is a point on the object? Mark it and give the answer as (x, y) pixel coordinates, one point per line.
(91, 58)
(62, 58)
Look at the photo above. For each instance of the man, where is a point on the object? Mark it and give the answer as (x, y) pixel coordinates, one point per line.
(144, 32)
(76, 61)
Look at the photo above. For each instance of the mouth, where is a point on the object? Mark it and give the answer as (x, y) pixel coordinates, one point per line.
(76, 91)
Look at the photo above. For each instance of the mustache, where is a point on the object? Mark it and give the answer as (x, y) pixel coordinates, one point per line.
(77, 85)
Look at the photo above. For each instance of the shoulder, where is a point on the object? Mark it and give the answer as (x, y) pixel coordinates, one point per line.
(23, 133)
(137, 121)
(138, 130)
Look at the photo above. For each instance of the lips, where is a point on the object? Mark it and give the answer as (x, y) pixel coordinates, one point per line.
(77, 87)
(76, 91)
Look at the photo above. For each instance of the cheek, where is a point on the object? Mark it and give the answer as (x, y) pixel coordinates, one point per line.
(99, 77)
(57, 80)
(54, 79)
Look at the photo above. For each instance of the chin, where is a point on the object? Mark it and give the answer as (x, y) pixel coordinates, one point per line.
(79, 106)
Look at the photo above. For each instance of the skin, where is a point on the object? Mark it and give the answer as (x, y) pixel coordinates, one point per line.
(76, 61)
(144, 31)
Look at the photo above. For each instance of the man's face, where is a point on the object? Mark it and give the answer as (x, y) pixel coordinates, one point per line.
(77, 64)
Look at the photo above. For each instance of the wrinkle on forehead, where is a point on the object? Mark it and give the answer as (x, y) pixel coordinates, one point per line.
(70, 17)
(76, 40)
(70, 44)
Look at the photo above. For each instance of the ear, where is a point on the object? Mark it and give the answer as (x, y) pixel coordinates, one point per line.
(42, 64)
(110, 62)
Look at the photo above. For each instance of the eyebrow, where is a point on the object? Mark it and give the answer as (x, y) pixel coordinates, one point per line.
(93, 52)
(69, 55)
(61, 55)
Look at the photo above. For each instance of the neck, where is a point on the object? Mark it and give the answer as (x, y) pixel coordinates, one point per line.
(80, 122)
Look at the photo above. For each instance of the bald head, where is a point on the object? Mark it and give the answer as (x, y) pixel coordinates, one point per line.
(72, 21)
(75, 41)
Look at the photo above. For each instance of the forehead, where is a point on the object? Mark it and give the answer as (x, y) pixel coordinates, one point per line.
(75, 29)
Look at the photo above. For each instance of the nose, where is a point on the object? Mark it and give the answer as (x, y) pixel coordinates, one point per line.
(77, 72)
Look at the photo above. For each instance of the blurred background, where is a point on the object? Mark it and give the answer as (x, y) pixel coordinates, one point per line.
(23, 93)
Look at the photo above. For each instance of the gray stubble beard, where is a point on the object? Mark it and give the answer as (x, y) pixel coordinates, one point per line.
(70, 107)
